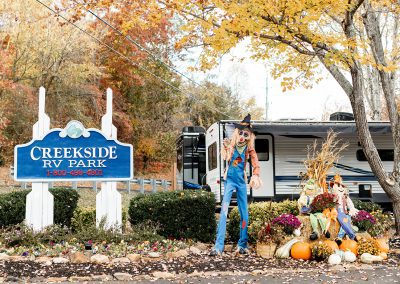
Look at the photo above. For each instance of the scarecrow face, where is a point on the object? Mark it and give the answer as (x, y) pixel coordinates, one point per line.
(339, 189)
(244, 136)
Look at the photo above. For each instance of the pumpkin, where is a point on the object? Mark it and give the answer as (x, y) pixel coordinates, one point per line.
(334, 259)
(383, 245)
(284, 251)
(332, 244)
(349, 256)
(301, 250)
(369, 258)
(350, 245)
(383, 255)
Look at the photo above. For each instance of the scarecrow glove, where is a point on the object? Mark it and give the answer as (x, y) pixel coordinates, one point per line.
(255, 182)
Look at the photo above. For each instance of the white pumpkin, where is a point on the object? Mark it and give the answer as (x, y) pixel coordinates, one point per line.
(334, 259)
(349, 256)
(340, 253)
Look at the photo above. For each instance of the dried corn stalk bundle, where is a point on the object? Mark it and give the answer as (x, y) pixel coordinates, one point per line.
(320, 159)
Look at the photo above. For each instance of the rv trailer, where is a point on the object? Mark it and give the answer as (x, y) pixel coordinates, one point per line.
(282, 147)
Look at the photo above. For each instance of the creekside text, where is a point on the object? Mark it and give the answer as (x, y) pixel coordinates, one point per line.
(79, 156)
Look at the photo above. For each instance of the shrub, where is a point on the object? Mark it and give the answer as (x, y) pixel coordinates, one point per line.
(363, 220)
(181, 214)
(367, 206)
(12, 206)
(259, 214)
(65, 203)
(85, 217)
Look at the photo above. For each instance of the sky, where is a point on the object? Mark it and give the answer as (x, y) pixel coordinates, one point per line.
(325, 97)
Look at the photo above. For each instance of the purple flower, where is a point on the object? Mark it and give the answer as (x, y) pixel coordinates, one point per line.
(363, 215)
(288, 221)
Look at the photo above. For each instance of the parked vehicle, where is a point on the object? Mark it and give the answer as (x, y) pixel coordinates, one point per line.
(282, 147)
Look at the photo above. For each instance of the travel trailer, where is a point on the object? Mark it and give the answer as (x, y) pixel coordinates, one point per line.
(281, 148)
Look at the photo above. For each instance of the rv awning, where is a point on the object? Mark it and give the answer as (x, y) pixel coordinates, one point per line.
(311, 128)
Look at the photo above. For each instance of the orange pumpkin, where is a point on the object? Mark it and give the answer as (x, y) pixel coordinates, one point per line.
(301, 250)
(350, 245)
(383, 245)
(332, 244)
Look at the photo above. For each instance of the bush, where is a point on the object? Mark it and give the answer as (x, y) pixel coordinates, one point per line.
(85, 217)
(367, 206)
(65, 203)
(181, 214)
(12, 206)
(259, 214)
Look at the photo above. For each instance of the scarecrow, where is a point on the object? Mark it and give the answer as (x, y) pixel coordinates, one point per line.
(309, 192)
(345, 209)
(237, 151)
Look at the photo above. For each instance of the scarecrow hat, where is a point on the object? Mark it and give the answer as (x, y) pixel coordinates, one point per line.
(337, 179)
(245, 123)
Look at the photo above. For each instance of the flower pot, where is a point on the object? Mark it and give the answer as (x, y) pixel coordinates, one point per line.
(266, 250)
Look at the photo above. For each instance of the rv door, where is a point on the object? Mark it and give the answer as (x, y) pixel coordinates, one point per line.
(265, 152)
(213, 165)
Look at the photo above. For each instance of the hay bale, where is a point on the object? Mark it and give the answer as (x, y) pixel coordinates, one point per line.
(306, 230)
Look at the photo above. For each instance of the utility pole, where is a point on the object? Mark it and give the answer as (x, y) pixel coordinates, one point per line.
(266, 98)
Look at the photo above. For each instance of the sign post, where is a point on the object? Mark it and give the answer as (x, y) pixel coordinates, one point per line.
(108, 200)
(40, 202)
(73, 154)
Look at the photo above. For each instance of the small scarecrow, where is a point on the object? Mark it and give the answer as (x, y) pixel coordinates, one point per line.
(318, 219)
(345, 209)
(237, 151)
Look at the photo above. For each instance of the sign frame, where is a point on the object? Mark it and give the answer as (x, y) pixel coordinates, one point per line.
(60, 179)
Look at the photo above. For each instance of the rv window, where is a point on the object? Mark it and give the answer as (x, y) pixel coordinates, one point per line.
(262, 149)
(212, 156)
(385, 155)
(179, 163)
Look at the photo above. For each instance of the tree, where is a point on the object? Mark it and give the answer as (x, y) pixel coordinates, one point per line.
(344, 36)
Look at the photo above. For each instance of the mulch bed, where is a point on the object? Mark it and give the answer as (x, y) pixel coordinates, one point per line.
(231, 263)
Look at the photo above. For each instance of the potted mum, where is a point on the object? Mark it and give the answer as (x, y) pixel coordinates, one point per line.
(267, 240)
(363, 220)
(323, 201)
(288, 222)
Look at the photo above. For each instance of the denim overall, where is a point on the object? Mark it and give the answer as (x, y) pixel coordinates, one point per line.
(234, 181)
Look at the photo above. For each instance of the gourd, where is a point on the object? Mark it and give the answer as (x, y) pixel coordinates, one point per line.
(332, 244)
(284, 251)
(383, 255)
(334, 259)
(349, 256)
(382, 245)
(349, 245)
(301, 250)
(369, 258)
